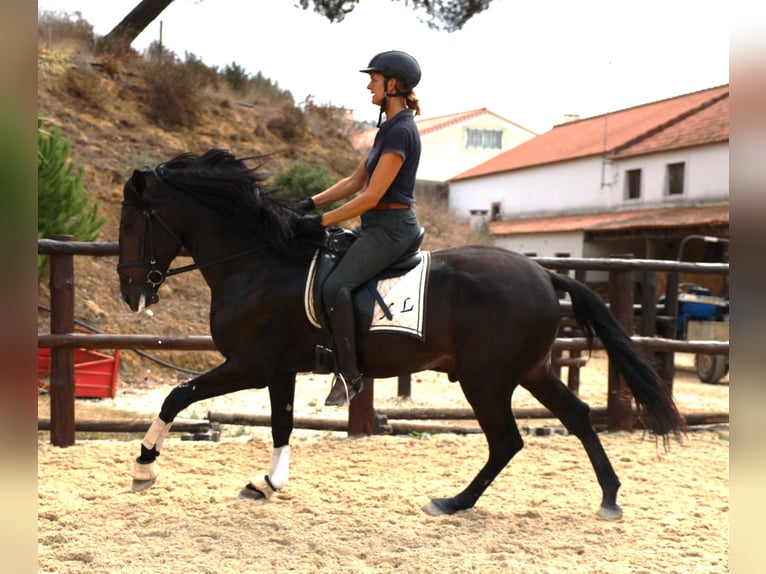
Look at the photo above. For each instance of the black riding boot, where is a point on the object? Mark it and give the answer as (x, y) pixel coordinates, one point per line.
(348, 380)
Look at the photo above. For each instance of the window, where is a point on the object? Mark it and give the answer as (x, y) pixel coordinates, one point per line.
(496, 212)
(483, 139)
(633, 184)
(675, 178)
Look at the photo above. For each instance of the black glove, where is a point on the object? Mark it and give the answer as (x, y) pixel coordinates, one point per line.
(305, 205)
(310, 223)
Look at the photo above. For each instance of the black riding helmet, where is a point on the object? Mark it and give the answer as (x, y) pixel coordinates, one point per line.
(395, 64)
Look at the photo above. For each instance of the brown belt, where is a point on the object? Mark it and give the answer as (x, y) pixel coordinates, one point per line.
(390, 205)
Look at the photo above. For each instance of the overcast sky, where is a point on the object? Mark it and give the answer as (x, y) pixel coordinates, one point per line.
(530, 62)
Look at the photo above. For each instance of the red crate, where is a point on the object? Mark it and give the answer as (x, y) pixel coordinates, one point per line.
(95, 374)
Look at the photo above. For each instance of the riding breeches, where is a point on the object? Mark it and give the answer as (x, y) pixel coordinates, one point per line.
(382, 238)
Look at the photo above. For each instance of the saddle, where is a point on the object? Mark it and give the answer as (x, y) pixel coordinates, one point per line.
(364, 297)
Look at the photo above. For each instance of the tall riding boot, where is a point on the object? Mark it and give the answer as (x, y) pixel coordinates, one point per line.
(348, 380)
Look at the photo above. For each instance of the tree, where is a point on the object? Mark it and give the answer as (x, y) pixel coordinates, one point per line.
(63, 206)
(123, 34)
(449, 15)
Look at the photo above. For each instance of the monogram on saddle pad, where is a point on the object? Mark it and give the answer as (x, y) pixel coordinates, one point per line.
(393, 301)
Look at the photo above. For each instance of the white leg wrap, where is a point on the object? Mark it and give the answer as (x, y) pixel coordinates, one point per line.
(279, 466)
(156, 434)
(279, 469)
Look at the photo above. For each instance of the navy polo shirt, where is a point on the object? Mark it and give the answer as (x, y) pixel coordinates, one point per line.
(398, 135)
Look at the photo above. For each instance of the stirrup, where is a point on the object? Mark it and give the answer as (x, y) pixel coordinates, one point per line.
(341, 392)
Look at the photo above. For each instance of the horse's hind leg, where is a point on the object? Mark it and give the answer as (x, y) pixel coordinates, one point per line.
(547, 388)
(494, 414)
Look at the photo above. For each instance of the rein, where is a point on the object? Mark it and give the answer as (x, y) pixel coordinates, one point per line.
(155, 276)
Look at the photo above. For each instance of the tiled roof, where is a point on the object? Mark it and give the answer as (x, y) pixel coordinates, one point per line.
(665, 217)
(363, 140)
(691, 119)
(710, 125)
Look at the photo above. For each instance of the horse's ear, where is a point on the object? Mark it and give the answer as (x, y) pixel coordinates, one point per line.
(137, 182)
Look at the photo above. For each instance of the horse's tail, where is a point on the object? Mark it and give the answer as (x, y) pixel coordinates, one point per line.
(653, 397)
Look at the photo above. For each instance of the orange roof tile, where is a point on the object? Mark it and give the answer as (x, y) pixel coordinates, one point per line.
(617, 221)
(710, 125)
(616, 131)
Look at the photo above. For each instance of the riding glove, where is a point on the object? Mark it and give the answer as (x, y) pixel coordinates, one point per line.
(309, 223)
(305, 205)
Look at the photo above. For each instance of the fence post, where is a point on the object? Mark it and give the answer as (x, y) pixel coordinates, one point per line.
(62, 358)
(648, 304)
(361, 410)
(404, 386)
(619, 404)
(669, 329)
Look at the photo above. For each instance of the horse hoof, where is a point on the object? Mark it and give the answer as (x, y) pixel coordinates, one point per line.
(438, 507)
(614, 513)
(140, 485)
(250, 494)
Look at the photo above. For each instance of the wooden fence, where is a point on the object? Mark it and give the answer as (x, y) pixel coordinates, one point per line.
(62, 340)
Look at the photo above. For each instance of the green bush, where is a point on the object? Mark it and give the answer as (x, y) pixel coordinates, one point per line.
(302, 179)
(236, 76)
(62, 205)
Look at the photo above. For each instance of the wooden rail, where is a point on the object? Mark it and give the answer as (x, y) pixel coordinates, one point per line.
(63, 340)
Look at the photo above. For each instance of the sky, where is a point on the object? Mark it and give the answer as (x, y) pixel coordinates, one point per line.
(530, 62)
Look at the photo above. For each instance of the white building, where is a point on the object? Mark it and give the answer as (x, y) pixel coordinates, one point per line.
(634, 181)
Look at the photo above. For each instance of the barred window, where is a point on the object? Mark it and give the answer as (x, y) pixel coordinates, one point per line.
(483, 139)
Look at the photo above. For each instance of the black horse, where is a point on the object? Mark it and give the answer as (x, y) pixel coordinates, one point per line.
(492, 318)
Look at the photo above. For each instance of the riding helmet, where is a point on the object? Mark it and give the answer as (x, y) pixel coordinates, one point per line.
(396, 64)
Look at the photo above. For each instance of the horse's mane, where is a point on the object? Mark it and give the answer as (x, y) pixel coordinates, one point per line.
(226, 185)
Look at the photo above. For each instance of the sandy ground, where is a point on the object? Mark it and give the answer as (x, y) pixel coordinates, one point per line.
(354, 505)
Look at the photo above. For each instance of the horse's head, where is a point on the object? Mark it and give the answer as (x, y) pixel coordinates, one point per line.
(147, 240)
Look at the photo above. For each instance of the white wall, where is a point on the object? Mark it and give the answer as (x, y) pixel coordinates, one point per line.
(707, 177)
(590, 185)
(544, 245)
(551, 189)
(444, 154)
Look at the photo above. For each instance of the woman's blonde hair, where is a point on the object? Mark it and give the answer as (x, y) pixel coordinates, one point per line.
(410, 100)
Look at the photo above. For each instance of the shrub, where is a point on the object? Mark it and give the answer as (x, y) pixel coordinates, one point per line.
(85, 84)
(289, 124)
(62, 205)
(303, 179)
(175, 88)
(57, 27)
(173, 95)
(236, 76)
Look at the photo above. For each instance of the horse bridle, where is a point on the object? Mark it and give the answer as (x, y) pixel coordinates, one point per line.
(155, 276)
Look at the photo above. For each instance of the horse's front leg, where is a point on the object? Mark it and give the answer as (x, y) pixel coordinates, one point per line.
(223, 379)
(281, 395)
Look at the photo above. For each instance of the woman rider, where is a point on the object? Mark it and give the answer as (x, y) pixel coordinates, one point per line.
(389, 224)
